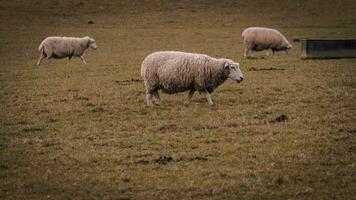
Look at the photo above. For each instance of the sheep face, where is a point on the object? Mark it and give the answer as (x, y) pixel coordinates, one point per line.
(288, 49)
(234, 72)
(92, 43)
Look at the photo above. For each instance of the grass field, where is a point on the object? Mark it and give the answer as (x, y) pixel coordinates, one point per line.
(74, 131)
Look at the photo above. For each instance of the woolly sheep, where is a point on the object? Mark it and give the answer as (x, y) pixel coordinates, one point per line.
(259, 39)
(62, 47)
(173, 72)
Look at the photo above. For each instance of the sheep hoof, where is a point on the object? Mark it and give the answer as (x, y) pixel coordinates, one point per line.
(157, 102)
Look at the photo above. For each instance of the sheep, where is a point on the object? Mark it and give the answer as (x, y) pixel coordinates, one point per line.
(173, 72)
(62, 47)
(260, 38)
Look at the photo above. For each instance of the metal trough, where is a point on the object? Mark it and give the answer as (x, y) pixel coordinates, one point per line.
(322, 48)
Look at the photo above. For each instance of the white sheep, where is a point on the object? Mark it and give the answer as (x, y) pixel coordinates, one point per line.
(260, 38)
(62, 47)
(174, 72)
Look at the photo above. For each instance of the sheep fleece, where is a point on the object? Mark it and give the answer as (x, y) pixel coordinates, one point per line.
(259, 38)
(61, 47)
(175, 72)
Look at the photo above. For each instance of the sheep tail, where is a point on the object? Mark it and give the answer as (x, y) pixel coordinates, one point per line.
(40, 48)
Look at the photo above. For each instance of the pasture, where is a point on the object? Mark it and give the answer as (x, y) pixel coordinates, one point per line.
(74, 131)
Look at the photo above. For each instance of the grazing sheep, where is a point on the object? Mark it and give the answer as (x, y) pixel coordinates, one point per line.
(62, 47)
(259, 38)
(174, 72)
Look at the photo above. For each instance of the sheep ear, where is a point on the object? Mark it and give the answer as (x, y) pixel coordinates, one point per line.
(227, 64)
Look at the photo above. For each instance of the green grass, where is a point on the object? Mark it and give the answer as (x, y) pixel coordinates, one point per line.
(84, 132)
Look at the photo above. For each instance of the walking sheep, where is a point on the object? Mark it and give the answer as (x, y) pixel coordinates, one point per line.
(259, 39)
(62, 47)
(174, 72)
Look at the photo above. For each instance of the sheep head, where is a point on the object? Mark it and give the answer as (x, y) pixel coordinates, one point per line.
(91, 42)
(233, 71)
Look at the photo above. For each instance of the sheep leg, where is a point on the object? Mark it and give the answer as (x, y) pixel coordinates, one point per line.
(208, 97)
(42, 56)
(69, 58)
(82, 58)
(190, 95)
(149, 99)
(250, 53)
(157, 98)
(246, 52)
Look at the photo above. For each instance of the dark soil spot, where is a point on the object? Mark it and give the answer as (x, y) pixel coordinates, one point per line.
(163, 160)
(31, 129)
(42, 111)
(347, 130)
(23, 122)
(352, 149)
(281, 118)
(265, 69)
(318, 87)
(49, 144)
(78, 97)
(72, 90)
(279, 180)
(296, 39)
(4, 167)
(352, 131)
(199, 158)
(126, 180)
(90, 22)
(128, 82)
(143, 162)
